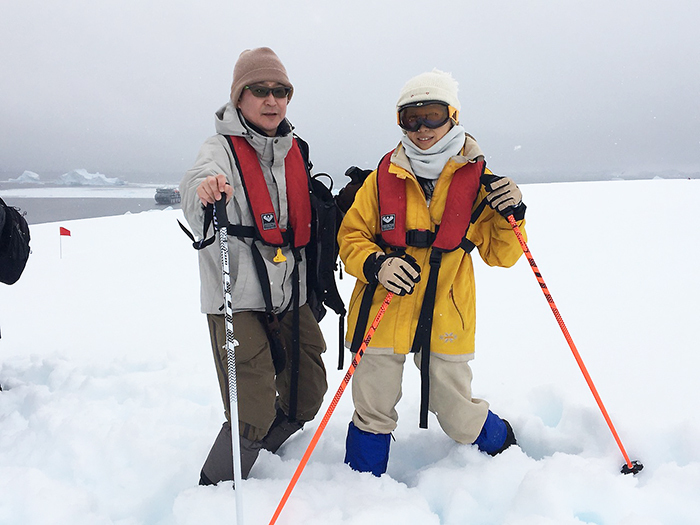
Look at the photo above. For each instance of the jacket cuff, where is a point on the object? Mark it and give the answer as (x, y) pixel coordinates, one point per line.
(519, 211)
(370, 268)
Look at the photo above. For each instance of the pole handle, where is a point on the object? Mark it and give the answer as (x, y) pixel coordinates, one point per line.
(219, 216)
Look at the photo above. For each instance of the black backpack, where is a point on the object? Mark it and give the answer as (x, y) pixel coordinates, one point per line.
(346, 196)
(14, 243)
(322, 252)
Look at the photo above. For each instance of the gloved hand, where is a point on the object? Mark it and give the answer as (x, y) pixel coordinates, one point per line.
(397, 272)
(504, 194)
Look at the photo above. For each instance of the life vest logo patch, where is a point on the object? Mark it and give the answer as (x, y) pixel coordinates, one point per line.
(388, 222)
(268, 221)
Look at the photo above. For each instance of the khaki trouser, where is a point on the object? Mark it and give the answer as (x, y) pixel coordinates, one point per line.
(257, 386)
(376, 389)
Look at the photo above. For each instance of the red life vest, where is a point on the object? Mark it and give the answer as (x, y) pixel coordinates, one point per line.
(258, 196)
(461, 196)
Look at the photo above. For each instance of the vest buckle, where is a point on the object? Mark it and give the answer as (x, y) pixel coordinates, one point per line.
(420, 238)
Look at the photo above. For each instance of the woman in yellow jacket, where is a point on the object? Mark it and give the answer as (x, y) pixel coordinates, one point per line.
(434, 180)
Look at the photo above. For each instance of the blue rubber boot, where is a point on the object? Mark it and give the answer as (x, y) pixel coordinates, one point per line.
(367, 452)
(496, 435)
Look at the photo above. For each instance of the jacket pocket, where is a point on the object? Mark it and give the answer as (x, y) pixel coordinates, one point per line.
(453, 300)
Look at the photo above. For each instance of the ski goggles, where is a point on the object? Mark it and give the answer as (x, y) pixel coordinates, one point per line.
(429, 114)
(264, 91)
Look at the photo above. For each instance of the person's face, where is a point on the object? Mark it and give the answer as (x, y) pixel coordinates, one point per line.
(265, 112)
(425, 137)
(426, 124)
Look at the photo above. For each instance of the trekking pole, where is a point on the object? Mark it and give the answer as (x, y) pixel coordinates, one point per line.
(630, 467)
(221, 225)
(331, 408)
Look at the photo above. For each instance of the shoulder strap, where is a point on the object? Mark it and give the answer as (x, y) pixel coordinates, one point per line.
(256, 191)
(392, 205)
(298, 194)
(462, 193)
(258, 196)
(304, 149)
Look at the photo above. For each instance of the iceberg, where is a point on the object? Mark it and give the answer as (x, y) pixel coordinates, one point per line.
(81, 177)
(27, 177)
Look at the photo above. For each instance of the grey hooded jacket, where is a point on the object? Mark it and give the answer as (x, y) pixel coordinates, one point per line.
(215, 157)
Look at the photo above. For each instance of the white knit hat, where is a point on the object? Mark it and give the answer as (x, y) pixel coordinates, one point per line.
(433, 85)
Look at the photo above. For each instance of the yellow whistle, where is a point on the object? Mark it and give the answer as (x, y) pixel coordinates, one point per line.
(279, 257)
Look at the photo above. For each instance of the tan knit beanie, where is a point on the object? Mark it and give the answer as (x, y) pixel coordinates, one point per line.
(434, 85)
(258, 65)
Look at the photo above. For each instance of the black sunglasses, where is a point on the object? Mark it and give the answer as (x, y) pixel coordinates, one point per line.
(264, 91)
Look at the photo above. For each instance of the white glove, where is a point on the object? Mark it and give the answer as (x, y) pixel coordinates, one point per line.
(398, 274)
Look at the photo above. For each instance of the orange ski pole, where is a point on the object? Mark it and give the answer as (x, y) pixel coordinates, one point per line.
(630, 467)
(331, 408)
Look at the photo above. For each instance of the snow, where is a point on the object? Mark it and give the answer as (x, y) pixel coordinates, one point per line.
(127, 191)
(110, 402)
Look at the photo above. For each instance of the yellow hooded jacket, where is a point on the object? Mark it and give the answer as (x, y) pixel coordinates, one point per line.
(454, 314)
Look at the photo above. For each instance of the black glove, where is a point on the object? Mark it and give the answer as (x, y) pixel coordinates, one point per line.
(398, 272)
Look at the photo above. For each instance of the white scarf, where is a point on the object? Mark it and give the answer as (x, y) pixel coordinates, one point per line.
(430, 162)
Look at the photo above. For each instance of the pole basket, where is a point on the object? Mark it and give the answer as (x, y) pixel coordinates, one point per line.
(634, 469)
(630, 467)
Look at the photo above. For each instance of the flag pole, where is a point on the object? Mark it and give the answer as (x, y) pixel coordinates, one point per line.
(61, 232)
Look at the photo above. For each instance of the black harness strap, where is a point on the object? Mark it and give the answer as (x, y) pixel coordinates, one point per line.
(362, 317)
(271, 320)
(294, 379)
(421, 342)
(208, 220)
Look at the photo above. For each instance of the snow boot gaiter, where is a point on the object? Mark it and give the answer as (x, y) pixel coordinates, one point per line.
(367, 452)
(496, 435)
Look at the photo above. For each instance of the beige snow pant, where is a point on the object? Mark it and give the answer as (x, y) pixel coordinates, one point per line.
(376, 390)
(256, 383)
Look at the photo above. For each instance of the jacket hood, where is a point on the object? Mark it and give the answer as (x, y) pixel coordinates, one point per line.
(228, 121)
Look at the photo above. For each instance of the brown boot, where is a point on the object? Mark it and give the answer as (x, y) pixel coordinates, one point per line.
(280, 431)
(219, 463)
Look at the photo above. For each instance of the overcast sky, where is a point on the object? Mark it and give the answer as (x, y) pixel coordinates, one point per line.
(547, 87)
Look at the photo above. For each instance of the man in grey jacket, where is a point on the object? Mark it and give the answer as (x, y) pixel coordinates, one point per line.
(278, 390)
